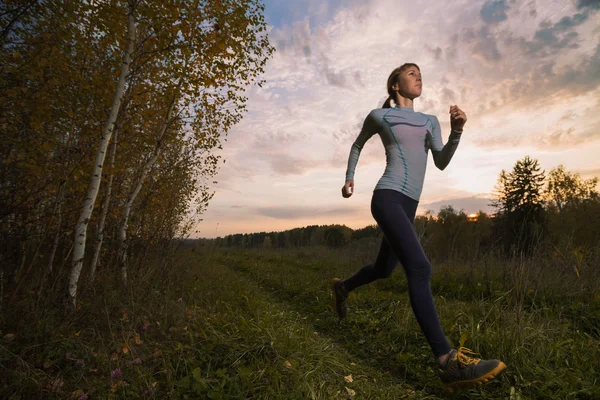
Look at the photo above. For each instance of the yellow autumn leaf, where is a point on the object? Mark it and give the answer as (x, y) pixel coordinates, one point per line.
(77, 393)
(348, 378)
(125, 350)
(76, 334)
(351, 392)
(287, 364)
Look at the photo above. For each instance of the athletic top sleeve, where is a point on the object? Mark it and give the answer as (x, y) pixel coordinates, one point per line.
(442, 153)
(369, 128)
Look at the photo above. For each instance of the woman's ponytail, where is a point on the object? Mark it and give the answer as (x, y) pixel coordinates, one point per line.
(388, 103)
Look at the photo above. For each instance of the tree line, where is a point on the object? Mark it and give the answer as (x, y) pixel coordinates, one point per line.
(534, 213)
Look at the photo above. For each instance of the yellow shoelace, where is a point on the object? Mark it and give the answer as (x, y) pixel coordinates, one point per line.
(465, 359)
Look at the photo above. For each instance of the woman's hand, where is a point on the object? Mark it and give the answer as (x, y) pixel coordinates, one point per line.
(457, 118)
(348, 188)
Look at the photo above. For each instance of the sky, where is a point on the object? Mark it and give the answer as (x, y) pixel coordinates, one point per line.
(526, 74)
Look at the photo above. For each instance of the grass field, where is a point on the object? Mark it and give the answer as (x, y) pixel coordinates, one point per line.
(259, 324)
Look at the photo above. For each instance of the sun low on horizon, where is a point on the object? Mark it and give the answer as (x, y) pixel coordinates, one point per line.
(526, 73)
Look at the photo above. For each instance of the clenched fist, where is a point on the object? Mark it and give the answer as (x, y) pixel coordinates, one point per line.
(348, 188)
(457, 118)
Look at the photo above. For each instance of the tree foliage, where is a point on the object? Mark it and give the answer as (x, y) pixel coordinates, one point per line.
(520, 207)
(59, 74)
(566, 189)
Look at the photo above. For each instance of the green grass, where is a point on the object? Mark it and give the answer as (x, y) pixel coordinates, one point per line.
(259, 324)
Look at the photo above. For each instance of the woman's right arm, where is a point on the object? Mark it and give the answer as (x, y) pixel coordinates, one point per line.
(369, 128)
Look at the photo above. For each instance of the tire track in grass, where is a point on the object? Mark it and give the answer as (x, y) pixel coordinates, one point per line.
(372, 335)
(288, 285)
(304, 349)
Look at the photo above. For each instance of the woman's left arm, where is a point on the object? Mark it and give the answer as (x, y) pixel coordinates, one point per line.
(442, 153)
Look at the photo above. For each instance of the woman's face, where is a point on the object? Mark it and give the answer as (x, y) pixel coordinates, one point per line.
(409, 83)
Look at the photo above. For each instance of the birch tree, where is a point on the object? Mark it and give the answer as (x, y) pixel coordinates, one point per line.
(138, 186)
(104, 210)
(213, 53)
(90, 199)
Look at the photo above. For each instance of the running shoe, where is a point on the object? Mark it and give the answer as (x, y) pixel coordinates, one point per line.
(460, 371)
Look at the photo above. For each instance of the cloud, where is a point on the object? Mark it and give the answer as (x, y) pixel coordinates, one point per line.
(542, 84)
(550, 38)
(532, 9)
(296, 40)
(579, 78)
(555, 139)
(591, 4)
(357, 76)
(559, 138)
(285, 164)
(297, 212)
(588, 173)
(269, 140)
(448, 96)
(452, 47)
(567, 22)
(484, 44)
(526, 75)
(334, 78)
(494, 11)
(435, 52)
(469, 204)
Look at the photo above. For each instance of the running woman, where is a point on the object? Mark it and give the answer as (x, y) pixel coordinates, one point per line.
(407, 137)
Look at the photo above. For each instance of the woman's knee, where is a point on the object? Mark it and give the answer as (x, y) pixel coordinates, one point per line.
(385, 271)
(419, 271)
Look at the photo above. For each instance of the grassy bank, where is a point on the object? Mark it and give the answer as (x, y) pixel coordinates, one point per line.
(259, 324)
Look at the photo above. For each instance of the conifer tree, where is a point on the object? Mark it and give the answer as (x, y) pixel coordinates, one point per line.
(519, 206)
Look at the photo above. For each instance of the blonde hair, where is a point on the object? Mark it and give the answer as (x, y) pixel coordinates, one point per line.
(393, 79)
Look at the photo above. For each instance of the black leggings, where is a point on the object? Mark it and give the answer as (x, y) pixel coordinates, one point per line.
(395, 213)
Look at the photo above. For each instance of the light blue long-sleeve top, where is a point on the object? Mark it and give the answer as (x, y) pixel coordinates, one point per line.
(407, 137)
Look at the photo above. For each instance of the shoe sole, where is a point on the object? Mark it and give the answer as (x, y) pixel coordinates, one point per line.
(451, 387)
(332, 283)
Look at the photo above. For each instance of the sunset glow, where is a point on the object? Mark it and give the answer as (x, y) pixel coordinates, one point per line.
(526, 75)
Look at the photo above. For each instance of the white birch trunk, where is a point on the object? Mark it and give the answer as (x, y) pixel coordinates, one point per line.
(122, 258)
(104, 211)
(88, 205)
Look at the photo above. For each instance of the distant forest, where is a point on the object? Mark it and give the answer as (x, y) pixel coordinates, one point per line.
(535, 212)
